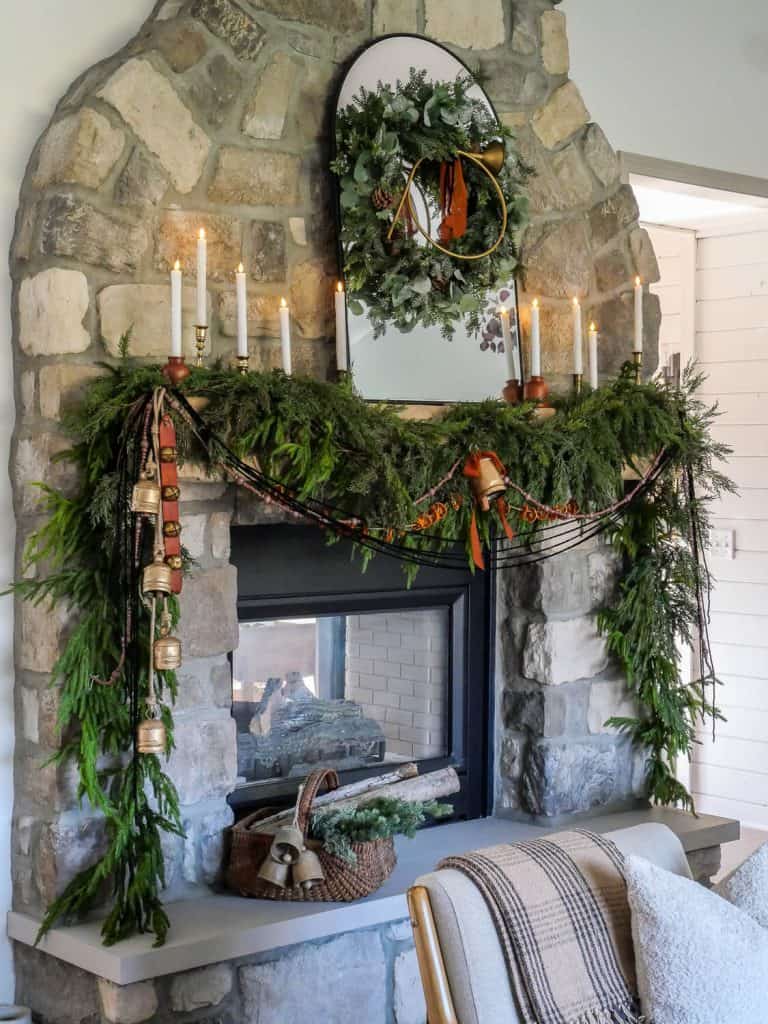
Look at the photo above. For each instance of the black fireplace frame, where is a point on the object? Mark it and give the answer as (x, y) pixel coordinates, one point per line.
(292, 570)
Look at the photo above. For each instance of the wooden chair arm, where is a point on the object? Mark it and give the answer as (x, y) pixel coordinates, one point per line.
(434, 979)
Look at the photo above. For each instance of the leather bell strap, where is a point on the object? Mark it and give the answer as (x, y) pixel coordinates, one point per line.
(169, 484)
(472, 471)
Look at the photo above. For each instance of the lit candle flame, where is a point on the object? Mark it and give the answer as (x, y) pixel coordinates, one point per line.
(202, 233)
(638, 282)
(593, 326)
(177, 265)
(575, 300)
(339, 287)
(283, 303)
(240, 268)
(535, 303)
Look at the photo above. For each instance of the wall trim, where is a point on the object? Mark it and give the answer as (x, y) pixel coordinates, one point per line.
(690, 174)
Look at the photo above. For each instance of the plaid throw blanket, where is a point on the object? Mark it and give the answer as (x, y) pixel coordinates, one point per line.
(560, 909)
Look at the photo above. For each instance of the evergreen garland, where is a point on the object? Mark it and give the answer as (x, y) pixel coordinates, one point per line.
(380, 818)
(322, 440)
(404, 281)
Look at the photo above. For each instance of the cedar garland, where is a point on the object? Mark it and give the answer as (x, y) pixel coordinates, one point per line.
(324, 444)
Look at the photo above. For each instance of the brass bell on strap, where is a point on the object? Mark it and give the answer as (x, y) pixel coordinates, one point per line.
(157, 576)
(275, 873)
(307, 870)
(488, 483)
(146, 497)
(167, 654)
(287, 844)
(151, 736)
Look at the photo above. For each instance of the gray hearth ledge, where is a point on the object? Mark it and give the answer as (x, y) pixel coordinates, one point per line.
(217, 928)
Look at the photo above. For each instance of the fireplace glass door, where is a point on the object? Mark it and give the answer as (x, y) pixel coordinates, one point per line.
(354, 670)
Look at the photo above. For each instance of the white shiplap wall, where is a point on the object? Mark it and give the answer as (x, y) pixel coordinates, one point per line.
(730, 776)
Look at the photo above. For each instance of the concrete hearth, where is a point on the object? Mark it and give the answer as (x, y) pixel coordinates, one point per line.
(218, 114)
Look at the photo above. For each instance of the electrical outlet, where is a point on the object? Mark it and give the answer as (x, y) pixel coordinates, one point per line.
(721, 543)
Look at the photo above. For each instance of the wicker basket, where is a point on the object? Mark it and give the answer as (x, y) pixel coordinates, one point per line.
(249, 847)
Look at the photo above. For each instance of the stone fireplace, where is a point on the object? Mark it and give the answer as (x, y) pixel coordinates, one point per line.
(218, 114)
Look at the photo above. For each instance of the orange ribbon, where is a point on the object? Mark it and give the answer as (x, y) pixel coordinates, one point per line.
(472, 470)
(453, 201)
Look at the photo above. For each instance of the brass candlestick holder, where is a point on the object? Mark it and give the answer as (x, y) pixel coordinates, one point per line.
(578, 381)
(242, 364)
(637, 359)
(176, 370)
(201, 338)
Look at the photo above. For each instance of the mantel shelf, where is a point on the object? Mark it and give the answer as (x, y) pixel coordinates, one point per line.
(216, 928)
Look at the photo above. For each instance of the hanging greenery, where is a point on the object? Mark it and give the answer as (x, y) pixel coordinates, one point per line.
(390, 270)
(325, 444)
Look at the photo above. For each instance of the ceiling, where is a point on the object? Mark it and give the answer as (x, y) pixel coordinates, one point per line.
(704, 210)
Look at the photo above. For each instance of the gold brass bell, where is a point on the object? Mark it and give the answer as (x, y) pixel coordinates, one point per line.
(307, 870)
(157, 577)
(167, 654)
(146, 497)
(287, 844)
(275, 873)
(488, 484)
(151, 736)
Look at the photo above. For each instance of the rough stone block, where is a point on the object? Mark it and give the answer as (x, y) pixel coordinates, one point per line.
(80, 149)
(561, 651)
(62, 384)
(298, 228)
(600, 156)
(473, 27)
(612, 268)
(573, 179)
(562, 116)
(64, 849)
(609, 218)
(197, 989)
(203, 765)
(30, 714)
(204, 682)
(556, 259)
(525, 30)
(513, 84)
(143, 182)
(311, 299)
(177, 240)
(616, 319)
(604, 571)
(24, 234)
(221, 535)
(181, 46)
(270, 180)
(608, 699)
(279, 992)
(554, 43)
(232, 25)
(35, 463)
(193, 534)
(557, 586)
(511, 762)
(644, 257)
(268, 262)
(169, 10)
(75, 229)
(209, 612)
(563, 778)
(52, 306)
(27, 392)
(127, 1004)
(203, 852)
(263, 315)
(266, 111)
(351, 16)
(410, 1007)
(58, 991)
(395, 16)
(216, 89)
(148, 103)
(145, 310)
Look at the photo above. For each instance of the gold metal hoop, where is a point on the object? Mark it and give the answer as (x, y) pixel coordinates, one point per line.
(406, 198)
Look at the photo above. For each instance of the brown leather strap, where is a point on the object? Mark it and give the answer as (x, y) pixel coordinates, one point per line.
(169, 481)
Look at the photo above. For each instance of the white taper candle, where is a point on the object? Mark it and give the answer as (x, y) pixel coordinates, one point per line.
(176, 309)
(342, 361)
(510, 348)
(285, 336)
(592, 346)
(242, 312)
(638, 343)
(578, 360)
(202, 279)
(535, 340)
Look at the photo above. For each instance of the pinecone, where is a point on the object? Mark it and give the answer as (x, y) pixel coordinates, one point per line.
(382, 199)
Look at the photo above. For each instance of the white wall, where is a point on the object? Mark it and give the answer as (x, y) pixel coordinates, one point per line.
(679, 80)
(731, 775)
(44, 45)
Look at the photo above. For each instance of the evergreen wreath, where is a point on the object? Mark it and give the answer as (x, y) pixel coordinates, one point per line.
(322, 440)
(405, 281)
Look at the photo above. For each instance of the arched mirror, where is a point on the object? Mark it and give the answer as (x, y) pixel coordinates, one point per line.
(421, 363)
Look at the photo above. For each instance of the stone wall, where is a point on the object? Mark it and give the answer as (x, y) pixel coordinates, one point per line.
(373, 971)
(218, 114)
